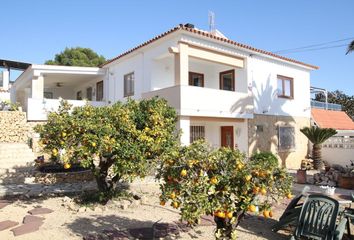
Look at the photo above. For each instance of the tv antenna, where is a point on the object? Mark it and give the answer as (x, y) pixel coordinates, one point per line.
(211, 16)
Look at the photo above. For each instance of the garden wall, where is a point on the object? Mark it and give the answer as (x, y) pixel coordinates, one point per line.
(63, 177)
(263, 132)
(14, 127)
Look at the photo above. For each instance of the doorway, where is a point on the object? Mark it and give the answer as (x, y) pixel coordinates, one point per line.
(227, 136)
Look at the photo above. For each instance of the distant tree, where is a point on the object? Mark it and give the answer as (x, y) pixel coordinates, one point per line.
(341, 98)
(350, 47)
(83, 57)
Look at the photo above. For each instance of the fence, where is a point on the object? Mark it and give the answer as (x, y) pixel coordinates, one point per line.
(339, 149)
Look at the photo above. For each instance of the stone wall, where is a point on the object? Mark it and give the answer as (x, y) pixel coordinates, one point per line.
(14, 127)
(63, 177)
(266, 138)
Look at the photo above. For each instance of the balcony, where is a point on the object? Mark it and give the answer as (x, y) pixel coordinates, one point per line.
(322, 105)
(206, 102)
(38, 109)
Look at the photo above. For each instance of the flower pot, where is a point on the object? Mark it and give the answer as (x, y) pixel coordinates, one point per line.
(346, 182)
(301, 176)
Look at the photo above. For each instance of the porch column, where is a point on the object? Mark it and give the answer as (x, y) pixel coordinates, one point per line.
(38, 87)
(5, 79)
(184, 125)
(181, 65)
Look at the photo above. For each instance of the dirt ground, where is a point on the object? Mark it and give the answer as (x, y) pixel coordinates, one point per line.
(77, 222)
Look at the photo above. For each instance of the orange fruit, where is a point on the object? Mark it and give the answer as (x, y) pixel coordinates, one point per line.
(175, 204)
(248, 178)
(220, 214)
(173, 195)
(239, 166)
(67, 165)
(184, 172)
(229, 215)
(270, 214)
(289, 195)
(214, 180)
(255, 190)
(263, 191)
(266, 214)
(162, 203)
(93, 144)
(252, 208)
(63, 134)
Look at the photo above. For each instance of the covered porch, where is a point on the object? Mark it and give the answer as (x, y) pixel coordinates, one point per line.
(41, 87)
(219, 132)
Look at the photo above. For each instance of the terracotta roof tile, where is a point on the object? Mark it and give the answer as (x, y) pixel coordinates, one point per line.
(332, 119)
(206, 34)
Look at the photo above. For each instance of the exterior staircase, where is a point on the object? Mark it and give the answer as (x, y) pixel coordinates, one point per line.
(16, 159)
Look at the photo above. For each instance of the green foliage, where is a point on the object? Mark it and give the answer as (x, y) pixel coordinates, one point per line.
(267, 159)
(318, 135)
(199, 180)
(83, 57)
(341, 98)
(118, 142)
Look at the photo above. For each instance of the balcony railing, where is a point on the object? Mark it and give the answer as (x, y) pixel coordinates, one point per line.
(329, 106)
(38, 109)
(206, 102)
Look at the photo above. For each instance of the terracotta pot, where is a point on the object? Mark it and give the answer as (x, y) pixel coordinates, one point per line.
(301, 176)
(346, 182)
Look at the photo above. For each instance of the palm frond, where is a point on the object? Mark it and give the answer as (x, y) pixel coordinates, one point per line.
(318, 135)
(350, 48)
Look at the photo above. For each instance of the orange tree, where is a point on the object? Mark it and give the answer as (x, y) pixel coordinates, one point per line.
(118, 142)
(201, 181)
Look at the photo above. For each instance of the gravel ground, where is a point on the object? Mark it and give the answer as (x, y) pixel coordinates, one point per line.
(69, 221)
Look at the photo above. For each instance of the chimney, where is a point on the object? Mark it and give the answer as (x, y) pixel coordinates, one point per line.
(189, 25)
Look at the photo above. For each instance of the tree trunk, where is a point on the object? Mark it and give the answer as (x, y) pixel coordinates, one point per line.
(105, 185)
(316, 156)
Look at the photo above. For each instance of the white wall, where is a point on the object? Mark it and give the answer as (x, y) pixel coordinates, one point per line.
(213, 132)
(263, 76)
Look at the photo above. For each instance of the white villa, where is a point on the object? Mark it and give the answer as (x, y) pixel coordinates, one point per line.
(229, 93)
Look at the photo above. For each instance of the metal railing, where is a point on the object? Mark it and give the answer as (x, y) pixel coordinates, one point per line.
(322, 105)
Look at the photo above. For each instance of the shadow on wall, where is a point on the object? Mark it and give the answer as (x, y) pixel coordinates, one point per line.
(263, 129)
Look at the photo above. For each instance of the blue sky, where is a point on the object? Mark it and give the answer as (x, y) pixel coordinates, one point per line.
(34, 31)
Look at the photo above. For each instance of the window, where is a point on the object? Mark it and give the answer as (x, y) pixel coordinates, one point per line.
(286, 138)
(196, 79)
(48, 95)
(196, 133)
(227, 80)
(99, 91)
(129, 84)
(285, 87)
(259, 128)
(79, 95)
(89, 93)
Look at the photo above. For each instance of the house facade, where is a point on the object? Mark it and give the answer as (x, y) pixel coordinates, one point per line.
(228, 93)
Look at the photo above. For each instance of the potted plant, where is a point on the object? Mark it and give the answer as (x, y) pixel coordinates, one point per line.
(301, 175)
(346, 179)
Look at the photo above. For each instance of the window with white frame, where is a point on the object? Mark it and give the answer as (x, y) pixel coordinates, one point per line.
(196, 133)
(129, 84)
(286, 138)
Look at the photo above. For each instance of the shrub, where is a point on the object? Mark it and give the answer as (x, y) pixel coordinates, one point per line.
(198, 180)
(267, 159)
(118, 142)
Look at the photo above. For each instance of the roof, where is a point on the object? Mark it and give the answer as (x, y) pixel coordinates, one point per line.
(338, 120)
(211, 36)
(14, 64)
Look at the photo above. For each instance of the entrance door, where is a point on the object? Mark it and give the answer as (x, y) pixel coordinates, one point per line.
(227, 136)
